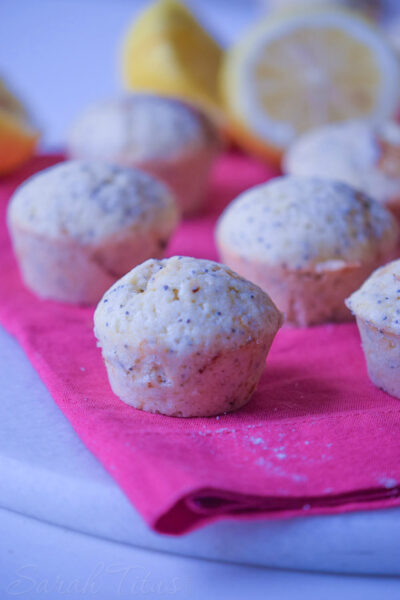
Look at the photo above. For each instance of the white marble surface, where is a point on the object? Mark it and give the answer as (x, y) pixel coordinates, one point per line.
(47, 473)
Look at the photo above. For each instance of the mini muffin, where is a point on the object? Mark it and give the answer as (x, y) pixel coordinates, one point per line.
(357, 153)
(376, 306)
(185, 337)
(77, 227)
(162, 136)
(310, 242)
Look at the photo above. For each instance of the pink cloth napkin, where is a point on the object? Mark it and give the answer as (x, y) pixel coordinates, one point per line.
(317, 437)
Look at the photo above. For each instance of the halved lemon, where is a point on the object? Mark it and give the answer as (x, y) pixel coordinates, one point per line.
(167, 51)
(293, 72)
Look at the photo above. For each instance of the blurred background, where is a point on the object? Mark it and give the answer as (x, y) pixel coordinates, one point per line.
(61, 55)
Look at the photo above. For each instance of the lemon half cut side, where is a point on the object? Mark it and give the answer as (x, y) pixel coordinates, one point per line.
(295, 72)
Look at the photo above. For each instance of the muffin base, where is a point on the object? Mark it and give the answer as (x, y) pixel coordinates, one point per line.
(382, 354)
(187, 176)
(305, 297)
(67, 271)
(197, 385)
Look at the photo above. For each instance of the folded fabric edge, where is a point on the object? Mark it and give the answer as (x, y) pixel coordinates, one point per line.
(203, 507)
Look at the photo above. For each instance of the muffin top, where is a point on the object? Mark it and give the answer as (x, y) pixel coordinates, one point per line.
(306, 223)
(183, 305)
(90, 201)
(378, 299)
(139, 128)
(355, 152)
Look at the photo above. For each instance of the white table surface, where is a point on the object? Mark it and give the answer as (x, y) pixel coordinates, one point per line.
(66, 530)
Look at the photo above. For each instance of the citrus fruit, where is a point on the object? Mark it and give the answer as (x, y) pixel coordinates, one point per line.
(17, 138)
(167, 51)
(296, 71)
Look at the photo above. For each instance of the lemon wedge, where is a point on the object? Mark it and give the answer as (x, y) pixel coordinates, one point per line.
(296, 71)
(166, 51)
(17, 138)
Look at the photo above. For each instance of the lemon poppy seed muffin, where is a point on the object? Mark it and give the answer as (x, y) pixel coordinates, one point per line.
(309, 242)
(364, 156)
(160, 135)
(185, 337)
(376, 306)
(78, 226)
